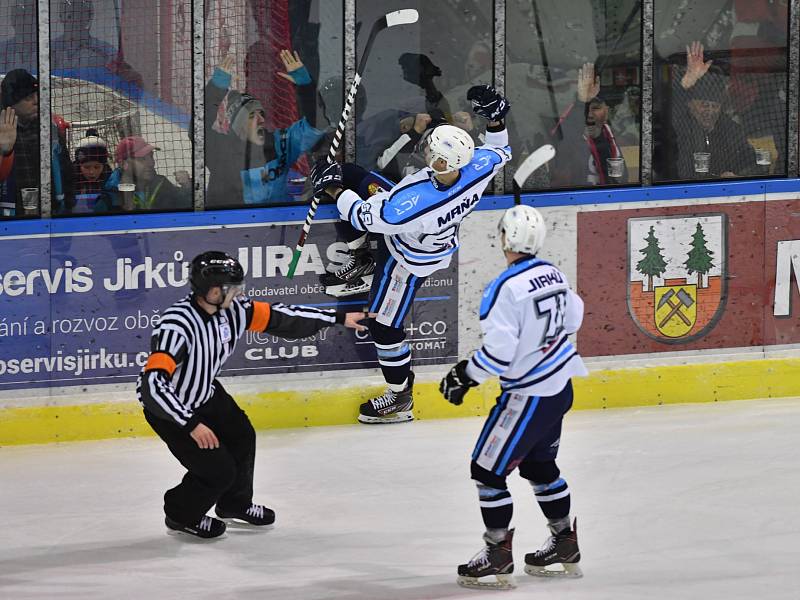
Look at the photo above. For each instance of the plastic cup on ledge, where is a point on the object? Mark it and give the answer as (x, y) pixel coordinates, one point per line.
(763, 157)
(30, 200)
(702, 162)
(616, 167)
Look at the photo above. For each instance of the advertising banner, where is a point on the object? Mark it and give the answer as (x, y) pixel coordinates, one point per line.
(79, 309)
(676, 278)
(782, 272)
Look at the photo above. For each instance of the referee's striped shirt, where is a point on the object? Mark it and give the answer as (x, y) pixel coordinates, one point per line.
(189, 347)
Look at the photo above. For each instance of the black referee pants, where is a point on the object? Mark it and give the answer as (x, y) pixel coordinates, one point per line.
(223, 476)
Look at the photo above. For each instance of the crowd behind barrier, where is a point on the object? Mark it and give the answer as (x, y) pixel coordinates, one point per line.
(121, 131)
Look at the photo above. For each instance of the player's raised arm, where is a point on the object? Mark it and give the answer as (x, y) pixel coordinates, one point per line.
(492, 106)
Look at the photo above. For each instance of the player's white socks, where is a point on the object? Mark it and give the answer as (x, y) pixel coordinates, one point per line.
(559, 525)
(497, 535)
(357, 243)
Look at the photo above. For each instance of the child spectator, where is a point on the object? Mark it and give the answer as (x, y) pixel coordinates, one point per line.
(91, 169)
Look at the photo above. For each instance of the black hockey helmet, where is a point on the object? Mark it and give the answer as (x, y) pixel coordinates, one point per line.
(214, 268)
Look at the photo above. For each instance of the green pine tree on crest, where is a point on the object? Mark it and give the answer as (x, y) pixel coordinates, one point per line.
(700, 257)
(653, 263)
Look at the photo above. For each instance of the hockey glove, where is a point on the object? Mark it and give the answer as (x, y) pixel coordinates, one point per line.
(326, 175)
(456, 383)
(488, 102)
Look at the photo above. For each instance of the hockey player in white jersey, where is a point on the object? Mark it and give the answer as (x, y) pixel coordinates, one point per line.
(419, 219)
(526, 315)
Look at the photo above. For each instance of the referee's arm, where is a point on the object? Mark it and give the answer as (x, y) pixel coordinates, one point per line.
(290, 320)
(157, 393)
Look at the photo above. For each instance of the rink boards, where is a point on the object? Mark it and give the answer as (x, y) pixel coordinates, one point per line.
(689, 294)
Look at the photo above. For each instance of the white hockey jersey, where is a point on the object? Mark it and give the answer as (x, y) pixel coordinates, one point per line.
(419, 217)
(526, 315)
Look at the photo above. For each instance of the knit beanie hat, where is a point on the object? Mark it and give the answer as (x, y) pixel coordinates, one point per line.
(239, 106)
(91, 148)
(17, 85)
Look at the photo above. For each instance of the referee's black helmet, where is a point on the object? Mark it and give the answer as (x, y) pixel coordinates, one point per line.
(214, 268)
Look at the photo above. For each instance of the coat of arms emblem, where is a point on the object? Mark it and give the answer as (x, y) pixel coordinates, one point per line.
(676, 275)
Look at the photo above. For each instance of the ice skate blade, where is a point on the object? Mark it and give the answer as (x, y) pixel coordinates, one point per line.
(340, 291)
(242, 524)
(570, 571)
(398, 417)
(185, 536)
(501, 582)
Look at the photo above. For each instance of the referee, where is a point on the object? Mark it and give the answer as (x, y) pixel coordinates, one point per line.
(189, 409)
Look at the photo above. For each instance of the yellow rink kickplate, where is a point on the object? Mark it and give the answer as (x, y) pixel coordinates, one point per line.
(708, 382)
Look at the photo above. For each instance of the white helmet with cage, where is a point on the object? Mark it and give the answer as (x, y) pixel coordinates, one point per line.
(524, 228)
(452, 144)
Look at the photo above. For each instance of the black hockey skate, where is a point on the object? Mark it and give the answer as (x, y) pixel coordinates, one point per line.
(391, 407)
(495, 559)
(343, 289)
(255, 515)
(359, 263)
(560, 548)
(207, 528)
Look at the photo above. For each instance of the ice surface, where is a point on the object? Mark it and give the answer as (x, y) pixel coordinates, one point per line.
(675, 502)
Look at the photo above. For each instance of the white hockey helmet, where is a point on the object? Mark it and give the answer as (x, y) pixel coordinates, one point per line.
(452, 144)
(524, 228)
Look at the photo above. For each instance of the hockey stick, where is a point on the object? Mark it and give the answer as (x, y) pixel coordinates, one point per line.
(405, 16)
(540, 157)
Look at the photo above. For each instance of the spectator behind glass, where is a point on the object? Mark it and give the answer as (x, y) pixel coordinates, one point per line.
(758, 84)
(76, 47)
(90, 167)
(78, 50)
(247, 163)
(701, 127)
(137, 170)
(21, 51)
(403, 156)
(588, 142)
(400, 158)
(378, 132)
(20, 91)
(8, 136)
